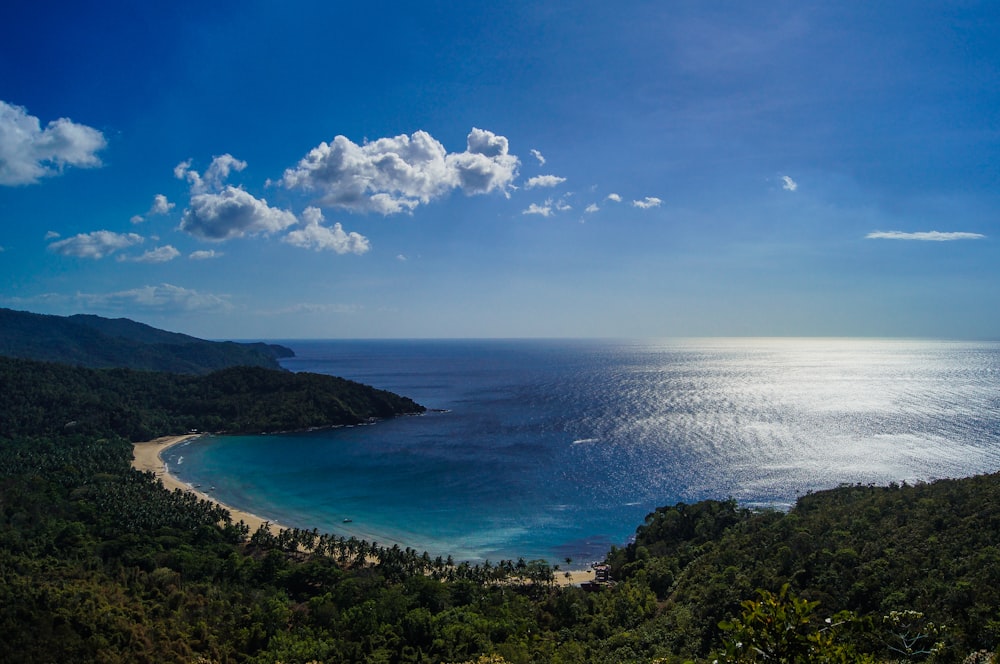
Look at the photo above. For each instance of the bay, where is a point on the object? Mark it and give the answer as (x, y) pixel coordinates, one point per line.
(559, 448)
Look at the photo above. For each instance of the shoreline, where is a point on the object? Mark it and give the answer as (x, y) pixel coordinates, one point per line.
(146, 456)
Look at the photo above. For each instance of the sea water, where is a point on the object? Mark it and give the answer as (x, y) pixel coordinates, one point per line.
(554, 449)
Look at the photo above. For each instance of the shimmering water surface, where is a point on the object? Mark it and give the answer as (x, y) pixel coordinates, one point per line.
(549, 449)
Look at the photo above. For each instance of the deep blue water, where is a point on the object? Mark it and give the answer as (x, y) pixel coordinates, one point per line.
(549, 449)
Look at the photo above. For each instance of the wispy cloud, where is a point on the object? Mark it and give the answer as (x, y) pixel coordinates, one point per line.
(203, 255)
(538, 155)
(544, 181)
(543, 210)
(592, 208)
(312, 308)
(326, 238)
(29, 153)
(788, 184)
(393, 175)
(96, 245)
(159, 255)
(926, 236)
(165, 297)
(647, 202)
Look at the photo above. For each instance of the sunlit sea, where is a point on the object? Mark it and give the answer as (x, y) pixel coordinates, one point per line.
(554, 449)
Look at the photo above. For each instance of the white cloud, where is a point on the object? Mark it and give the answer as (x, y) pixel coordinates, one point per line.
(614, 197)
(217, 173)
(160, 206)
(647, 202)
(232, 213)
(219, 211)
(95, 245)
(590, 209)
(401, 258)
(927, 236)
(544, 181)
(203, 255)
(538, 155)
(788, 184)
(162, 297)
(319, 237)
(29, 153)
(563, 206)
(544, 210)
(393, 175)
(51, 235)
(159, 255)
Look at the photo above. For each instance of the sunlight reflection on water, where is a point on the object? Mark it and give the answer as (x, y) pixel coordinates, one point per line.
(546, 443)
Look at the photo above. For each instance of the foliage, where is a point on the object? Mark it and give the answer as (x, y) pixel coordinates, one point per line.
(781, 628)
(97, 342)
(100, 563)
(39, 398)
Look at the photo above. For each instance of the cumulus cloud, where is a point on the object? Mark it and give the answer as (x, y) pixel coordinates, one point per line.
(614, 198)
(544, 181)
(159, 255)
(538, 155)
(647, 202)
(393, 175)
(203, 255)
(788, 184)
(590, 209)
(232, 213)
(29, 153)
(316, 236)
(216, 174)
(95, 245)
(160, 206)
(162, 297)
(927, 236)
(219, 211)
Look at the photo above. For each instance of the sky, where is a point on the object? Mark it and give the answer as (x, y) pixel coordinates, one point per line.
(264, 170)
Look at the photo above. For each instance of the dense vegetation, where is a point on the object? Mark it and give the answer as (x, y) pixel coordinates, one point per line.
(92, 341)
(100, 563)
(40, 398)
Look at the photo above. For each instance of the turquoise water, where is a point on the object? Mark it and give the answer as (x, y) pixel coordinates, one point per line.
(554, 449)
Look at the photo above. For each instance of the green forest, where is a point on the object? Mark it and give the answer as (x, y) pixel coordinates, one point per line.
(100, 563)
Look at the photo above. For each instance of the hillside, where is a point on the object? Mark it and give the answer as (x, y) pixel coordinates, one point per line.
(41, 398)
(100, 563)
(96, 342)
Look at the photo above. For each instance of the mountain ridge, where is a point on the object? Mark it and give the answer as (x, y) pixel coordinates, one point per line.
(99, 343)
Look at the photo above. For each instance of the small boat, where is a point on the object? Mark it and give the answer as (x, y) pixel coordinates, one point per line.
(348, 520)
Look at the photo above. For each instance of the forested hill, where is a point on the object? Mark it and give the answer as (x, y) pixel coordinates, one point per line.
(44, 398)
(93, 341)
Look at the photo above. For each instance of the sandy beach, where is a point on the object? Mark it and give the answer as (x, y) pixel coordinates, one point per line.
(146, 457)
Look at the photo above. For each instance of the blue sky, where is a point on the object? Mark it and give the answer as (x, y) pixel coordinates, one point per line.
(633, 169)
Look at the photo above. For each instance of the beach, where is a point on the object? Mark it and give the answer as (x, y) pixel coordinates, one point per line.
(146, 457)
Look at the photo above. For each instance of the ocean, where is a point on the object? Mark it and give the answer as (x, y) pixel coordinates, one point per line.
(558, 449)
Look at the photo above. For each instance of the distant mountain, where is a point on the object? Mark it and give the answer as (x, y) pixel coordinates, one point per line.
(96, 342)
